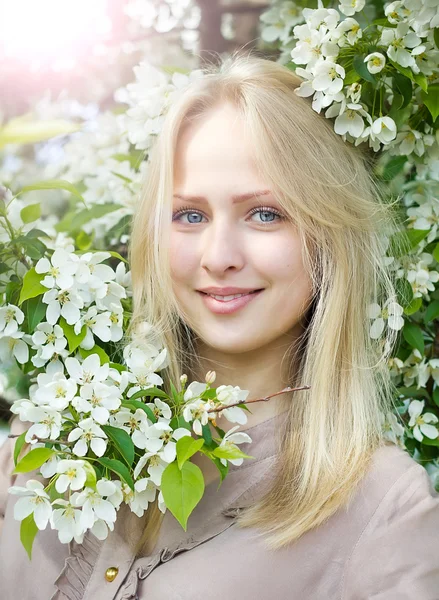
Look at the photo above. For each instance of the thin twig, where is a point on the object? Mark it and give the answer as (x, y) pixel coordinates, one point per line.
(284, 391)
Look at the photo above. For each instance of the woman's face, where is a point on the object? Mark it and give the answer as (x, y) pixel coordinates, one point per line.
(228, 232)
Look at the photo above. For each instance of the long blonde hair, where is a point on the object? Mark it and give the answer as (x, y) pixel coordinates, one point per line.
(344, 218)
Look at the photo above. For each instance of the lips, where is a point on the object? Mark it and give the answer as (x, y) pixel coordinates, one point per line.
(231, 305)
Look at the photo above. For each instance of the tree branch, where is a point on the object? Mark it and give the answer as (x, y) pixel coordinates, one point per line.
(284, 391)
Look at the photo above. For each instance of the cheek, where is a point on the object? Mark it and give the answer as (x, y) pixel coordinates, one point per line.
(182, 256)
(282, 264)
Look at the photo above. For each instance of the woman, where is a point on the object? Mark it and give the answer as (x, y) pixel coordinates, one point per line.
(251, 193)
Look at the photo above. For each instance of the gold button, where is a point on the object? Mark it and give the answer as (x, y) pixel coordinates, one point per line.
(111, 573)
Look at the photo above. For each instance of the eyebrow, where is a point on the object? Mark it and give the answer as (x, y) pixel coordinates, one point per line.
(236, 197)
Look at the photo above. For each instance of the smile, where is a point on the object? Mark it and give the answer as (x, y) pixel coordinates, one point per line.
(228, 304)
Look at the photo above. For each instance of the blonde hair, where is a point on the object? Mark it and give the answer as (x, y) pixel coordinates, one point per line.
(327, 188)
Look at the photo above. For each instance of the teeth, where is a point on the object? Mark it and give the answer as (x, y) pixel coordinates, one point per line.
(226, 298)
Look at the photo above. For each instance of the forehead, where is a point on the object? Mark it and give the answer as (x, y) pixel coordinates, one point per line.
(216, 146)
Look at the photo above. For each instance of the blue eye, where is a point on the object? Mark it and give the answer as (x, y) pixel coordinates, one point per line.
(268, 215)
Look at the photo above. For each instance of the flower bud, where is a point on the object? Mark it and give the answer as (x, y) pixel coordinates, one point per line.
(183, 379)
(210, 377)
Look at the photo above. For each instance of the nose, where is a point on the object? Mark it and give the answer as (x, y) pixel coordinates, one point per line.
(222, 248)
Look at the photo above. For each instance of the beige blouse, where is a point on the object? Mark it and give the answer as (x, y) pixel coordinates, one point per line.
(384, 546)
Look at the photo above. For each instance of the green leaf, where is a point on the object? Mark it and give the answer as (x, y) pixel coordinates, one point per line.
(404, 292)
(223, 469)
(35, 311)
(83, 241)
(412, 392)
(117, 255)
(25, 130)
(428, 442)
(69, 332)
(182, 490)
(207, 434)
(413, 307)
(175, 394)
(187, 447)
(54, 184)
(351, 76)
(436, 36)
(413, 336)
(117, 467)
(404, 87)
(153, 391)
(393, 167)
(419, 79)
(30, 213)
(122, 441)
(32, 285)
(431, 100)
(91, 478)
(436, 395)
(230, 452)
(134, 158)
(95, 350)
(28, 531)
(432, 311)
(135, 404)
(362, 70)
(33, 460)
(19, 443)
(416, 235)
(73, 222)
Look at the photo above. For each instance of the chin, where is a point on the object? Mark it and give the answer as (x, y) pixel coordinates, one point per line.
(233, 343)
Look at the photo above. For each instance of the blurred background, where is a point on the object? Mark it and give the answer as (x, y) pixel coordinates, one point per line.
(85, 48)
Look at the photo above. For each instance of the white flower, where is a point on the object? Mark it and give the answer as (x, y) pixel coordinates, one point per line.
(392, 312)
(230, 440)
(65, 303)
(328, 77)
(417, 368)
(197, 412)
(96, 324)
(349, 30)
(375, 62)
(155, 468)
(160, 436)
(133, 423)
(57, 393)
(350, 121)
(67, 521)
(91, 272)
(94, 505)
(142, 364)
(47, 424)
(98, 399)
(35, 500)
(72, 474)
(50, 339)
(161, 410)
(88, 433)
(421, 277)
(228, 394)
(60, 269)
(89, 371)
(13, 346)
(397, 40)
(144, 493)
(392, 428)
(383, 129)
(10, 318)
(350, 7)
(420, 423)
